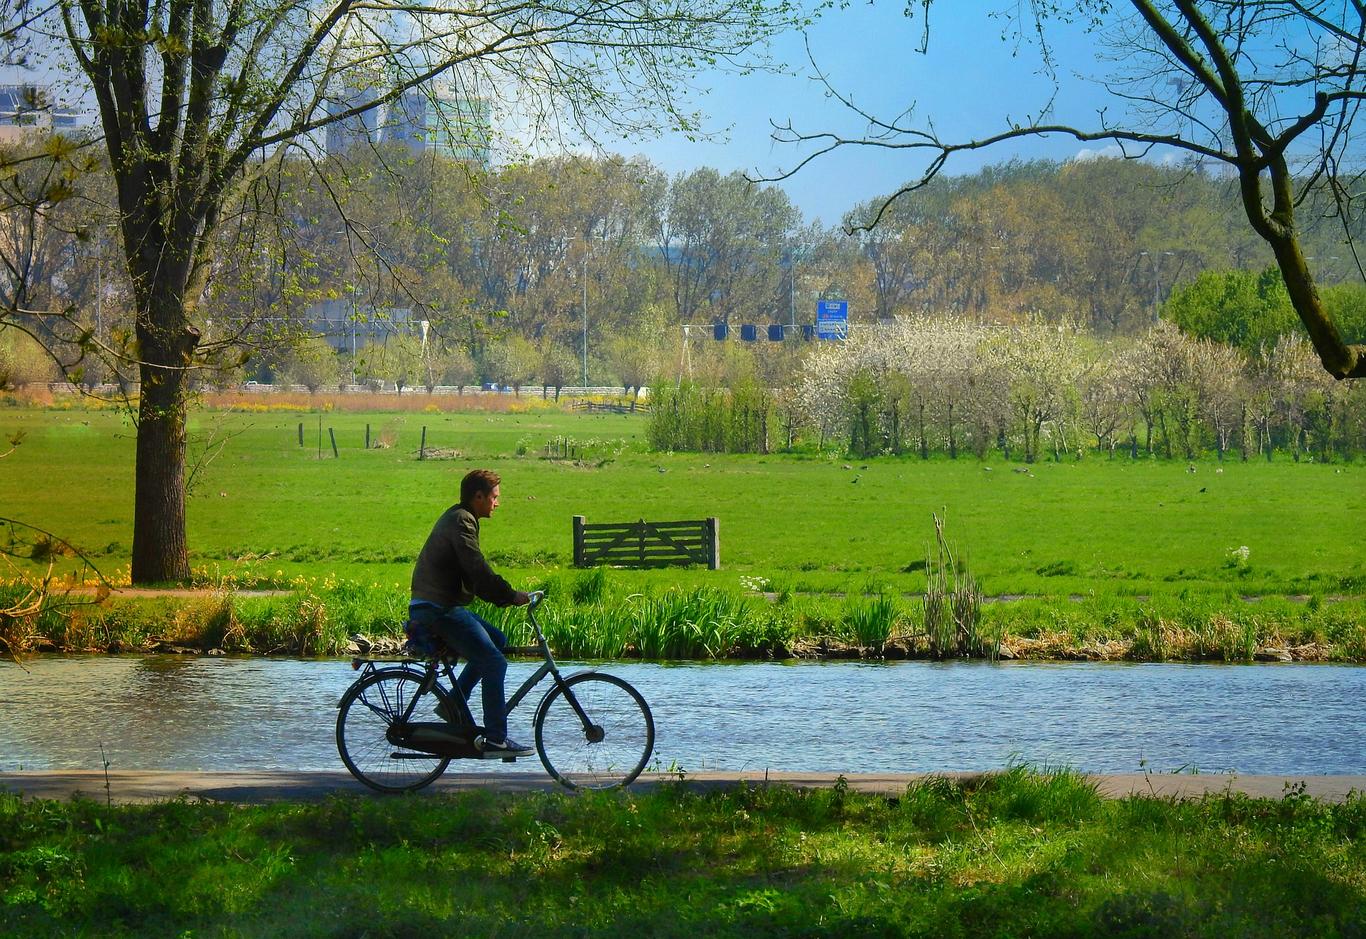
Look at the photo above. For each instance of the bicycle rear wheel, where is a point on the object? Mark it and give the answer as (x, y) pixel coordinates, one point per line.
(611, 749)
(367, 711)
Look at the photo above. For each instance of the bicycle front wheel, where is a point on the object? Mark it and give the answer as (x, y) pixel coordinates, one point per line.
(605, 746)
(366, 713)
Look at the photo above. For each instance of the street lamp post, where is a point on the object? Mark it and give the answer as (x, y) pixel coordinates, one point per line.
(351, 289)
(584, 282)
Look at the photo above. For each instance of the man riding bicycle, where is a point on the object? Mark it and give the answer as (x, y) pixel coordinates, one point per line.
(450, 572)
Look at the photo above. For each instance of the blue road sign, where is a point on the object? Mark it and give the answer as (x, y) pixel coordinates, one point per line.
(832, 319)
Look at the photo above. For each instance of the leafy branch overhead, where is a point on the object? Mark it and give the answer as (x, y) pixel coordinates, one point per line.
(1271, 89)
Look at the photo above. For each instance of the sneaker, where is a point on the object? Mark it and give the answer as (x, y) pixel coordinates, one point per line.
(503, 748)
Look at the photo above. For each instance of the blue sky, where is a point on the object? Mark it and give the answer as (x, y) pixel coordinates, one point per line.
(970, 83)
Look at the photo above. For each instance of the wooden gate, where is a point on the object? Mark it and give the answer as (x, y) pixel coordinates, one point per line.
(647, 544)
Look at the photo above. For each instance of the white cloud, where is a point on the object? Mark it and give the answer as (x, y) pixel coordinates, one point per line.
(1112, 152)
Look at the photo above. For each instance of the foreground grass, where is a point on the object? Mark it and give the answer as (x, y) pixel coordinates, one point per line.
(1026, 854)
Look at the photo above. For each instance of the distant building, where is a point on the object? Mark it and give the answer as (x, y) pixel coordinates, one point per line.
(462, 128)
(439, 119)
(358, 129)
(405, 122)
(346, 331)
(29, 109)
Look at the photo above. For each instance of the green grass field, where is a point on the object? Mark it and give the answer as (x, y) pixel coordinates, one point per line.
(1097, 558)
(801, 522)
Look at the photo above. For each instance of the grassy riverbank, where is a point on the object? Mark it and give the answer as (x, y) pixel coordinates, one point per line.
(600, 615)
(586, 621)
(1025, 854)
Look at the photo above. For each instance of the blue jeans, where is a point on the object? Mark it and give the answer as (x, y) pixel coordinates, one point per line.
(481, 644)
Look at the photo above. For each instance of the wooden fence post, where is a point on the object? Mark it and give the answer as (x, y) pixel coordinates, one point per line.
(333, 434)
(367, 436)
(713, 539)
(301, 433)
(422, 447)
(578, 540)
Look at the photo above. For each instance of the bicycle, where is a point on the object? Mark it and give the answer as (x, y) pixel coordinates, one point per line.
(592, 730)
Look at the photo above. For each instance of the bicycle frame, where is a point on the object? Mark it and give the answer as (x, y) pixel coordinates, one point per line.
(434, 668)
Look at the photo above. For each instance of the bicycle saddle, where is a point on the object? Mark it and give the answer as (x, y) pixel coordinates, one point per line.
(424, 644)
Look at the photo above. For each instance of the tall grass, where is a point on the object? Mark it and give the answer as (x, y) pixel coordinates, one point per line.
(871, 622)
(953, 605)
(594, 615)
(675, 624)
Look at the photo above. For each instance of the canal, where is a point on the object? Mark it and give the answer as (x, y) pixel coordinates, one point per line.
(230, 713)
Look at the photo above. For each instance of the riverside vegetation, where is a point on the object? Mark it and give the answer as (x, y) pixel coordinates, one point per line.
(1021, 853)
(1092, 558)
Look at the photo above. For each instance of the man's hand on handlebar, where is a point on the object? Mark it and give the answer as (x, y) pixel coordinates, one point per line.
(522, 598)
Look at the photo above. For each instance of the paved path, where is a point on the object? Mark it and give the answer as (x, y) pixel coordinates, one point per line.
(152, 786)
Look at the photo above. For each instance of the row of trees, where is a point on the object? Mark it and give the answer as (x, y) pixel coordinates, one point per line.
(536, 247)
(551, 249)
(1102, 242)
(1030, 391)
(516, 270)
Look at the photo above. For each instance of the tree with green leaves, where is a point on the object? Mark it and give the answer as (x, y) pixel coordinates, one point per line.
(192, 94)
(511, 360)
(558, 366)
(397, 359)
(313, 364)
(721, 239)
(1246, 309)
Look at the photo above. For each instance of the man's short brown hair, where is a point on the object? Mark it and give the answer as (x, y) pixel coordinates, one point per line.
(477, 482)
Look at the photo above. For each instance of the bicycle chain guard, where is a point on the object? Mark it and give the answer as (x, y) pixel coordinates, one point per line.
(439, 739)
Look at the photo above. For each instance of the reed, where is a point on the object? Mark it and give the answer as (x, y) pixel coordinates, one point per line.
(318, 616)
(871, 622)
(953, 605)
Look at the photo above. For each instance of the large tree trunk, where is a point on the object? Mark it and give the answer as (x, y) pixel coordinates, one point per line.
(159, 545)
(1277, 229)
(166, 341)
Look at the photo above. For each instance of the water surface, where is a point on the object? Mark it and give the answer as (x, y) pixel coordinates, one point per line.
(196, 713)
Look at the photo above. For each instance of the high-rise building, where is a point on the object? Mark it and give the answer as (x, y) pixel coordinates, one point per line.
(439, 119)
(405, 123)
(462, 128)
(358, 129)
